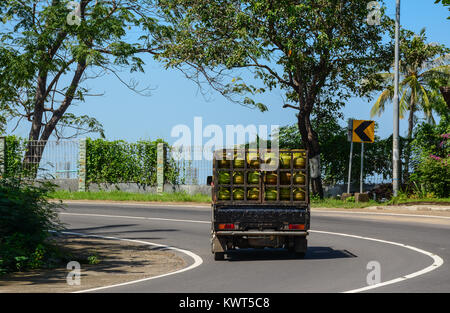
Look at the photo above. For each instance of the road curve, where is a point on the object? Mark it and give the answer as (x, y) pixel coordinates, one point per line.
(333, 263)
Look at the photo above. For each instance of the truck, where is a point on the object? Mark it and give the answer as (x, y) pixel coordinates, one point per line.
(260, 198)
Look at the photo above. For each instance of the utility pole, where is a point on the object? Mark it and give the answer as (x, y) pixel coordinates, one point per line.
(395, 148)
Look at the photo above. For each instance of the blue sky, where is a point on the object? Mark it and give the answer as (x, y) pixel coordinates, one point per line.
(177, 100)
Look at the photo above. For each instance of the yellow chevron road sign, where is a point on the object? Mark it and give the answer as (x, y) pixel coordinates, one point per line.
(363, 131)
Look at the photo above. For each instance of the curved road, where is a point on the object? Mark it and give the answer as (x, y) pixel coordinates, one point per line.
(333, 263)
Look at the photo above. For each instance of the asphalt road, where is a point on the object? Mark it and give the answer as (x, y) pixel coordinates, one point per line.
(334, 262)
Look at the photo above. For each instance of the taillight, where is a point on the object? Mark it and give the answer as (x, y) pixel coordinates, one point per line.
(226, 226)
(296, 227)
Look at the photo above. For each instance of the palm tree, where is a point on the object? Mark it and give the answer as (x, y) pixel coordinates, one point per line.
(421, 65)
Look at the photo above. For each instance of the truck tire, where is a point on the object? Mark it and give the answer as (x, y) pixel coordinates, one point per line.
(219, 256)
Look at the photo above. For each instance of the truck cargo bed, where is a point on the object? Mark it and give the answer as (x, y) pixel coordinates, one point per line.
(288, 182)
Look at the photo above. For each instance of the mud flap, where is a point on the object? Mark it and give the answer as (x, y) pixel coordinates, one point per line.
(218, 244)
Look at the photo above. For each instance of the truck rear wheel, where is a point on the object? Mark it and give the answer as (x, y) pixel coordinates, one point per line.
(219, 256)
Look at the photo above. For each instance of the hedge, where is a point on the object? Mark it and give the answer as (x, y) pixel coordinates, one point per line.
(117, 161)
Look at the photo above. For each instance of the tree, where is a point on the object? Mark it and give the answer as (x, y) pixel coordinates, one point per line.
(424, 67)
(49, 50)
(315, 51)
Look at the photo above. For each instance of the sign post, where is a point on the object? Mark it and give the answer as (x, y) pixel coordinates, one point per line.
(350, 166)
(362, 169)
(350, 131)
(364, 132)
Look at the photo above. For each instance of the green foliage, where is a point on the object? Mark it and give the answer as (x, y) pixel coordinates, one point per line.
(315, 51)
(292, 45)
(338, 203)
(350, 199)
(2, 122)
(431, 171)
(15, 150)
(93, 259)
(46, 63)
(116, 162)
(424, 68)
(26, 217)
(433, 176)
(445, 3)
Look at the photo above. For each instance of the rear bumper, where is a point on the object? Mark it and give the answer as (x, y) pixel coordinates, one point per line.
(261, 220)
(262, 233)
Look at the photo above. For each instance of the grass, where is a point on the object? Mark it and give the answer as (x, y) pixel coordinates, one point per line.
(129, 196)
(335, 203)
(410, 200)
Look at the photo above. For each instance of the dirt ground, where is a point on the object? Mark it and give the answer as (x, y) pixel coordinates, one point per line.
(120, 262)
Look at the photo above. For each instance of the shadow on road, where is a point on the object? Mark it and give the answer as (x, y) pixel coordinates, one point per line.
(313, 253)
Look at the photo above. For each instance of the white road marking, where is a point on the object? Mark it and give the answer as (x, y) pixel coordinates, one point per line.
(197, 260)
(437, 260)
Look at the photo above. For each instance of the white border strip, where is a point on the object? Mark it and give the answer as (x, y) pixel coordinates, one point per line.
(437, 261)
(197, 261)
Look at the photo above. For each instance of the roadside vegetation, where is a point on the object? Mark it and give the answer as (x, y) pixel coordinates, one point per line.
(29, 227)
(26, 220)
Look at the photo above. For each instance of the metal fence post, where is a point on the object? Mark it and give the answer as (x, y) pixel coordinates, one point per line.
(82, 167)
(2, 157)
(160, 161)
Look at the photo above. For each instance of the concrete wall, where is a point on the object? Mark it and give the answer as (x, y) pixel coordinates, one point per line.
(72, 185)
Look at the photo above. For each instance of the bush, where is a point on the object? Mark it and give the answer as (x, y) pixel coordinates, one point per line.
(433, 177)
(15, 151)
(431, 173)
(26, 218)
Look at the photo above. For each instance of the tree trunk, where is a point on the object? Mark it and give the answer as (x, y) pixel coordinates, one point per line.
(311, 143)
(37, 141)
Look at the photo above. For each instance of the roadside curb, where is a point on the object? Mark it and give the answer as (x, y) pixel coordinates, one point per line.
(415, 207)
